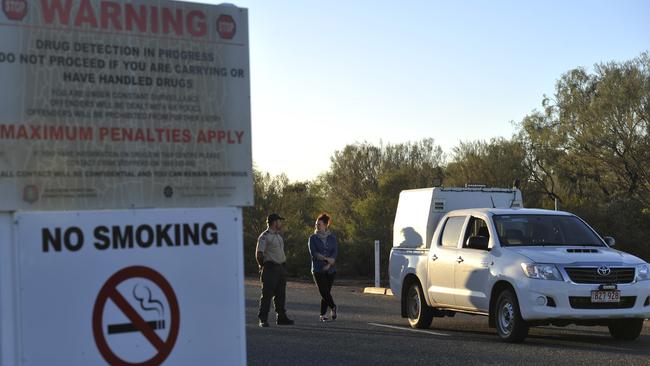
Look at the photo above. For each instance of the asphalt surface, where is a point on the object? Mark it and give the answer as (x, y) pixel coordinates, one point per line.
(370, 331)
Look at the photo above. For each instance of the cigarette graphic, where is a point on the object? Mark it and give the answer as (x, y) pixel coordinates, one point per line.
(130, 328)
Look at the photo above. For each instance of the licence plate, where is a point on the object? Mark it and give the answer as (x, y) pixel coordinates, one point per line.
(606, 296)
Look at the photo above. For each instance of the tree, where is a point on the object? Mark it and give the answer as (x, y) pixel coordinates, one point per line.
(496, 163)
(298, 202)
(590, 147)
(361, 191)
(267, 191)
(595, 132)
(376, 214)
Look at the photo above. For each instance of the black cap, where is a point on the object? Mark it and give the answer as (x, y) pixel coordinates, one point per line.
(273, 217)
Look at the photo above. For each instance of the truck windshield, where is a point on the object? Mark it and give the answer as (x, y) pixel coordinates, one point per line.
(543, 230)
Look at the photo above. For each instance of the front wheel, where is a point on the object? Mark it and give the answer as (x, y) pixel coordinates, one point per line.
(511, 327)
(625, 329)
(419, 313)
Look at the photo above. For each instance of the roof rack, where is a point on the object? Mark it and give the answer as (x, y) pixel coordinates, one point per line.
(475, 185)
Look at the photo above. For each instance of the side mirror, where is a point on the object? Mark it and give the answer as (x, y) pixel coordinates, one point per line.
(477, 242)
(609, 241)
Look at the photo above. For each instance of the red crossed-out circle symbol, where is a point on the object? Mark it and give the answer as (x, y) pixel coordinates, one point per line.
(109, 291)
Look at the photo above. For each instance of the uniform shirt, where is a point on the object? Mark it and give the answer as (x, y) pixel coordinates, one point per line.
(271, 244)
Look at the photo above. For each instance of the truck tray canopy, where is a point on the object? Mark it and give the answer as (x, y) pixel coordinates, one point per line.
(419, 210)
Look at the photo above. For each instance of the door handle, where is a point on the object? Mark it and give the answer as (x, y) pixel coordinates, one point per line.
(434, 257)
(460, 260)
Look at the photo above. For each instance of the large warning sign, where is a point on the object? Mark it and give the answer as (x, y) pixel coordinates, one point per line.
(130, 287)
(123, 104)
(153, 296)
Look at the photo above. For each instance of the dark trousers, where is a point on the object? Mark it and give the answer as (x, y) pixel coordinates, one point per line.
(324, 281)
(274, 286)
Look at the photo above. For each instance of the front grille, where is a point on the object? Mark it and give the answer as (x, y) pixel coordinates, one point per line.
(590, 275)
(584, 302)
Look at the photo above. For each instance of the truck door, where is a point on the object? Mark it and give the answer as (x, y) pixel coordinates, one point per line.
(442, 257)
(472, 267)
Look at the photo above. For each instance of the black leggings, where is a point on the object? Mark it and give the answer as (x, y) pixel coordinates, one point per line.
(324, 281)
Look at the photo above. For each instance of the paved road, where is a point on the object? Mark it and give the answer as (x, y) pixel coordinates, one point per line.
(371, 332)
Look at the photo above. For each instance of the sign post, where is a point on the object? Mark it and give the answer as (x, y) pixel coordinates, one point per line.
(377, 268)
(9, 329)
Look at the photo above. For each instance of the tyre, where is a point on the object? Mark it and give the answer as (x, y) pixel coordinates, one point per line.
(511, 327)
(419, 313)
(625, 329)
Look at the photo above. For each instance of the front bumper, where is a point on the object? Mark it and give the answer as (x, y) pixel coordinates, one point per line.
(530, 290)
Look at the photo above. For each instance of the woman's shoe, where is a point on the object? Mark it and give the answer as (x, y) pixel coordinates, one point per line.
(324, 318)
(334, 309)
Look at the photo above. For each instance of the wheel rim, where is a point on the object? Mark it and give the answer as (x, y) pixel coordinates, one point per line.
(506, 317)
(414, 304)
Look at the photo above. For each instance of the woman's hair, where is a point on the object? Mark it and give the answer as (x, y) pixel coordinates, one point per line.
(325, 218)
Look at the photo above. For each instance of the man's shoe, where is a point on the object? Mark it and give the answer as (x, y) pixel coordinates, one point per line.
(334, 310)
(263, 324)
(284, 321)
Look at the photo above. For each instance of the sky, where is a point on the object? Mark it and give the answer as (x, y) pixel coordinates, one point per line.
(325, 74)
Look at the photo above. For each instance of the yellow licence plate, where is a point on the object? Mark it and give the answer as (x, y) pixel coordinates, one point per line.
(606, 296)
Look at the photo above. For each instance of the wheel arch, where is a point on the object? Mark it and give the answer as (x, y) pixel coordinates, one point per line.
(498, 287)
(409, 279)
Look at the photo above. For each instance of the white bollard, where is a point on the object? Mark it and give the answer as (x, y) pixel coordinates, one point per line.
(377, 282)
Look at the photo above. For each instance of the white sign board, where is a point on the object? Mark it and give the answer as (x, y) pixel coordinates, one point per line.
(131, 287)
(123, 104)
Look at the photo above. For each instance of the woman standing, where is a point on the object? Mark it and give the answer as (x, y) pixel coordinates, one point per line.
(323, 249)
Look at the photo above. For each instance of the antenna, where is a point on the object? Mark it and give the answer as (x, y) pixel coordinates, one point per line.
(491, 199)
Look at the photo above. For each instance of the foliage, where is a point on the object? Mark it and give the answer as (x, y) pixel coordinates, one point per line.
(588, 148)
(298, 203)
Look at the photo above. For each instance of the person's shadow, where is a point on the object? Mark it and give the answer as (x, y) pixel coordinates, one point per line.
(411, 238)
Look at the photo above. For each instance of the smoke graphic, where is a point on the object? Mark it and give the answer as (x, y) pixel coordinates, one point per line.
(142, 293)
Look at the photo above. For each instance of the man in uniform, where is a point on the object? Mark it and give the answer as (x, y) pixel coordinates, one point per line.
(270, 259)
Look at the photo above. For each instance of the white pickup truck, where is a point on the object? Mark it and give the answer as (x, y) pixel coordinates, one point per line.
(520, 267)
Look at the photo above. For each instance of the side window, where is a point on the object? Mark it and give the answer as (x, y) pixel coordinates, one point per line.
(477, 235)
(451, 231)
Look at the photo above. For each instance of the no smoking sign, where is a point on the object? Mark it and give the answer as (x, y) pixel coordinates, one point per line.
(136, 318)
(129, 306)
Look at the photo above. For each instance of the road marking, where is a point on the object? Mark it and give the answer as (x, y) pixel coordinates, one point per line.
(408, 329)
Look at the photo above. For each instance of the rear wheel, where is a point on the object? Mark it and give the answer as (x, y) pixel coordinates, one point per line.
(511, 327)
(419, 313)
(625, 329)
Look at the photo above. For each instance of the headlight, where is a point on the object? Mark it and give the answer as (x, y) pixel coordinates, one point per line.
(642, 272)
(541, 271)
